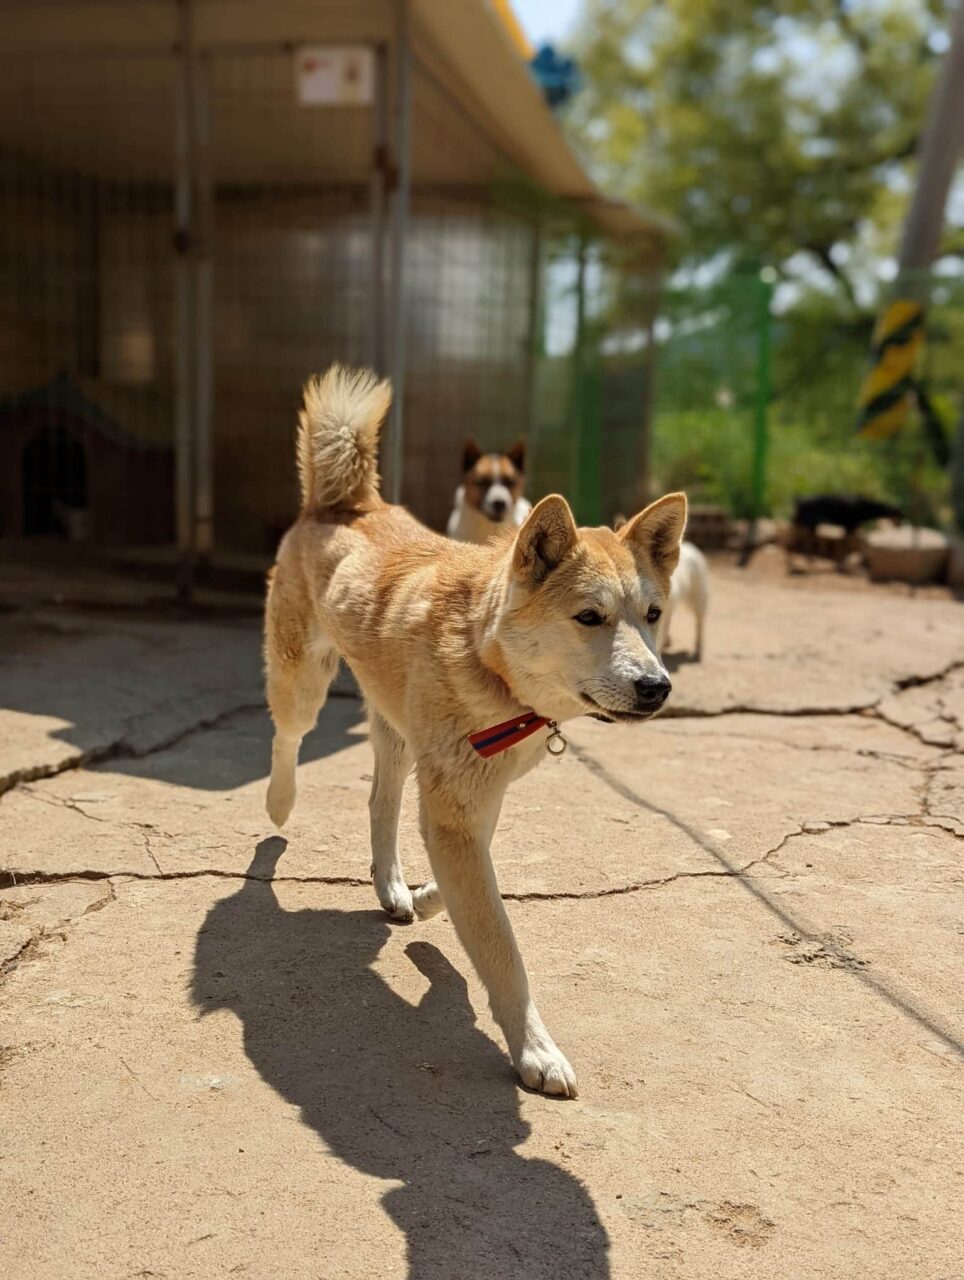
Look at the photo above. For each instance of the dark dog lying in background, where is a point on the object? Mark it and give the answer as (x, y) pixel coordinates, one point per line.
(846, 511)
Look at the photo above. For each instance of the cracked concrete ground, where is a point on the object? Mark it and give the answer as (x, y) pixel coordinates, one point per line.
(743, 923)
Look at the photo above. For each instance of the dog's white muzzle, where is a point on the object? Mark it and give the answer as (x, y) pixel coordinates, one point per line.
(497, 503)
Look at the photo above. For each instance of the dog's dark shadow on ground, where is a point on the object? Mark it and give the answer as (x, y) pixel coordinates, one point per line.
(416, 1094)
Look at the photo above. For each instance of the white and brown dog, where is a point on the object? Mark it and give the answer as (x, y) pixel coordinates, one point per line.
(470, 658)
(490, 495)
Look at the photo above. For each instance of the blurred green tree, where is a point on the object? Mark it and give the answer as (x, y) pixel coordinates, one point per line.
(777, 131)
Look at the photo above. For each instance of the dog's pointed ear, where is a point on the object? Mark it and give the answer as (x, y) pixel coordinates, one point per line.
(658, 531)
(545, 539)
(471, 453)
(517, 455)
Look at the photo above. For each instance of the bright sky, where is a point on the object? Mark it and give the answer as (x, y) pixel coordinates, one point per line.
(546, 19)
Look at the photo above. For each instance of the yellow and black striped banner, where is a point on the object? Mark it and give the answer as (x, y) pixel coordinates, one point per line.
(886, 394)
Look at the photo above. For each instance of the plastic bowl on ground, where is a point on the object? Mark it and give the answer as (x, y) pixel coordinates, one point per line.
(905, 553)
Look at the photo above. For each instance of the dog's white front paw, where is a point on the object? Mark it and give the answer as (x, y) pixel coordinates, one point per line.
(543, 1067)
(396, 898)
(281, 800)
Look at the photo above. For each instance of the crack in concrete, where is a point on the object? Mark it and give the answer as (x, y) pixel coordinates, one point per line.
(889, 991)
(871, 707)
(740, 709)
(22, 952)
(145, 829)
(917, 682)
(917, 732)
(121, 749)
(822, 827)
(148, 849)
(12, 879)
(67, 802)
(870, 753)
(44, 932)
(814, 829)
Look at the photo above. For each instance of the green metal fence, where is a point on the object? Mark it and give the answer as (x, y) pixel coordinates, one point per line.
(756, 394)
(742, 391)
(590, 426)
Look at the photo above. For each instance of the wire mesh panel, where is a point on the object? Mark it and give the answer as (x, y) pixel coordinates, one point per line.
(293, 283)
(707, 388)
(595, 374)
(469, 281)
(734, 355)
(86, 346)
(510, 294)
(186, 238)
(467, 314)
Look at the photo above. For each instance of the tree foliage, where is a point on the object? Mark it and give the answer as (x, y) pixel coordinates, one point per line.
(778, 131)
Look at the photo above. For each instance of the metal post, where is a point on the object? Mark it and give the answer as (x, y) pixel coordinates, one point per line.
(401, 197)
(585, 401)
(641, 492)
(939, 153)
(534, 335)
(761, 434)
(201, 259)
(575, 390)
(592, 429)
(379, 193)
(184, 303)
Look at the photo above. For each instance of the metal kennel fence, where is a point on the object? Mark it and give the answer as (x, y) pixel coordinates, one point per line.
(185, 237)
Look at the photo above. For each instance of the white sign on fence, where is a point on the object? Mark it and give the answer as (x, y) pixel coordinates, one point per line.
(327, 76)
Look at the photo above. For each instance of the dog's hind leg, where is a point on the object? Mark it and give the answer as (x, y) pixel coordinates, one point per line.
(392, 764)
(300, 667)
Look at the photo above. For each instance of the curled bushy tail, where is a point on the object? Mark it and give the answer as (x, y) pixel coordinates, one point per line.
(338, 437)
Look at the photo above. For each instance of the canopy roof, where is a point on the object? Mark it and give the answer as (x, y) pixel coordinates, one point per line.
(104, 89)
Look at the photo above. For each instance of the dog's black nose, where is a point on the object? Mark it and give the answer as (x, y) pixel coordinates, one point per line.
(498, 506)
(652, 691)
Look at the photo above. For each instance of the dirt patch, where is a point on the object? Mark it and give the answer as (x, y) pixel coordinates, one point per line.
(741, 1224)
(14, 939)
(829, 951)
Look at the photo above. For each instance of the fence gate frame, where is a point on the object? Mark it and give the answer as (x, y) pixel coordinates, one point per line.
(194, 238)
(193, 241)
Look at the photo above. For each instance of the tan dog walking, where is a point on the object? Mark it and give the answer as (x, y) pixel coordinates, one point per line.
(501, 643)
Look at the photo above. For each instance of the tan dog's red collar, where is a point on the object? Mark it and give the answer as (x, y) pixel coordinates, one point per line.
(499, 737)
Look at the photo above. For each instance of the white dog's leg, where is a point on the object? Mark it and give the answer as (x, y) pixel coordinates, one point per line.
(392, 763)
(466, 879)
(700, 601)
(698, 650)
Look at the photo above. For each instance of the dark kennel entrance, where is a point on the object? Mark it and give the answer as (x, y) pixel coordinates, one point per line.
(54, 482)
